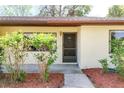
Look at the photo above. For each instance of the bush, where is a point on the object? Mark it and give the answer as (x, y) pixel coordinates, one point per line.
(1, 58)
(16, 43)
(120, 70)
(47, 56)
(104, 64)
(117, 56)
(13, 44)
(22, 76)
(117, 51)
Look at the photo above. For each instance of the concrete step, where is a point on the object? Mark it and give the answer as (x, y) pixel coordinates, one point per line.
(61, 68)
(65, 68)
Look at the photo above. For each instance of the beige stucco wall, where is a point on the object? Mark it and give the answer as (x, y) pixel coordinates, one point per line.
(58, 30)
(95, 44)
(92, 41)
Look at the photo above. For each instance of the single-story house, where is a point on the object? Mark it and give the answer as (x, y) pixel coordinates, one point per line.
(80, 40)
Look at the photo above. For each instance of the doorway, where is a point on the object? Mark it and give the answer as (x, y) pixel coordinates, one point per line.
(69, 47)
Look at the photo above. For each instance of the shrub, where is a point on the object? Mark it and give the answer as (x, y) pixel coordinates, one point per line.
(47, 56)
(120, 69)
(1, 58)
(22, 76)
(13, 45)
(117, 55)
(117, 51)
(104, 64)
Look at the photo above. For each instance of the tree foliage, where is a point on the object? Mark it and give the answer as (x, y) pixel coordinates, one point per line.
(64, 11)
(45, 10)
(15, 10)
(116, 11)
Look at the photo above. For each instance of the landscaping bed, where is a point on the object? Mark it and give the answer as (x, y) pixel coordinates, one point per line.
(56, 80)
(104, 80)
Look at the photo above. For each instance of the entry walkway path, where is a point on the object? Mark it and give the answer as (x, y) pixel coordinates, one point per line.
(77, 81)
(74, 78)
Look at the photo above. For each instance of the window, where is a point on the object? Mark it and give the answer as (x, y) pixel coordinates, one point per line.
(29, 35)
(116, 34)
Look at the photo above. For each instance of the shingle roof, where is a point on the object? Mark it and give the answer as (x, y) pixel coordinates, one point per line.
(58, 21)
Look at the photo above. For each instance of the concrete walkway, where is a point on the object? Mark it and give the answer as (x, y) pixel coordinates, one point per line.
(77, 81)
(74, 78)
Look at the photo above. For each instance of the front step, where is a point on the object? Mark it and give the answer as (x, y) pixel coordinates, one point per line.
(60, 68)
(65, 68)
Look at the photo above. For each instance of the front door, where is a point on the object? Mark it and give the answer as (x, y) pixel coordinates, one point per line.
(69, 47)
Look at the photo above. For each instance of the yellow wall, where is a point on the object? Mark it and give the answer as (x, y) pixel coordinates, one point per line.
(5, 29)
(95, 44)
(92, 41)
(58, 30)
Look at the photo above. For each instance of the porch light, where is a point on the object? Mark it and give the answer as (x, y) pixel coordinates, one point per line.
(61, 33)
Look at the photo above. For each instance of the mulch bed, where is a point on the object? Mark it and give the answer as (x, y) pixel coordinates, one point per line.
(56, 80)
(104, 80)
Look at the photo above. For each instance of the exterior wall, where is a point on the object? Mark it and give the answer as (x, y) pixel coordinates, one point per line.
(58, 30)
(94, 44)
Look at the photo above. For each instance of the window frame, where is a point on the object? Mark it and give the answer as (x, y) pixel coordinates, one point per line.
(110, 32)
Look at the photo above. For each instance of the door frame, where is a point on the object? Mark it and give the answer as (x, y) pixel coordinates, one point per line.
(63, 49)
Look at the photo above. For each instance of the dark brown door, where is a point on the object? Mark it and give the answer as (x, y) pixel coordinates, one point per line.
(69, 48)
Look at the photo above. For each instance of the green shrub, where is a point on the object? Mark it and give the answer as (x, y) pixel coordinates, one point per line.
(117, 55)
(104, 64)
(120, 69)
(22, 76)
(13, 43)
(16, 43)
(47, 57)
(117, 51)
(1, 58)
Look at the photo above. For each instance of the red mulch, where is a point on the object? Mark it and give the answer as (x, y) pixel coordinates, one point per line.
(104, 80)
(56, 80)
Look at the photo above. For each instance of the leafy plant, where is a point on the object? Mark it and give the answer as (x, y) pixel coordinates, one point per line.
(117, 50)
(21, 76)
(117, 55)
(47, 55)
(13, 45)
(120, 69)
(104, 64)
(1, 58)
